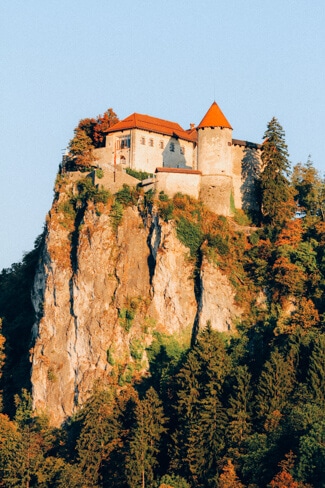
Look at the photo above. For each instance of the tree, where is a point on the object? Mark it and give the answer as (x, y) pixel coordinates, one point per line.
(200, 413)
(88, 135)
(274, 387)
(310, 189)
(277, 195)
(311, 455)
(228, 477)
(99, 434)
(145, 440)
(239, 411)
(10, 461)
(316, 371)
(81, 149)
(284, 478)
(2, 360)
(103, 123)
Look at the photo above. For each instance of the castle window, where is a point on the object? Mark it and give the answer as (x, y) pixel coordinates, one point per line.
(151, 142)
(123, 142)
(161, 144)
(172, 147)
(182, 150)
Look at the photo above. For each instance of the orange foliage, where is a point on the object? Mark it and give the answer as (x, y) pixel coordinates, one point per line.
(228, 477)
(320, 228)
(288, 276)
(284, 479)
(104, 122)
(291, 234)
(306, 315)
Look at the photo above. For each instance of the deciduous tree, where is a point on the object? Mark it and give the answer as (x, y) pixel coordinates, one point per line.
(228, 478)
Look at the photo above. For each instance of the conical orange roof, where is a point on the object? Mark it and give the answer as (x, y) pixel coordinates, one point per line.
(214, 118)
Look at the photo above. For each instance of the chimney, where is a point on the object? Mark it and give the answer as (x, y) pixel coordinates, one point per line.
(192, 126)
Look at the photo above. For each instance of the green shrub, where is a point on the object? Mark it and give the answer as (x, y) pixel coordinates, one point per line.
(126, 316)
(110, 357)
(51, 376)
(88, 191)
(241, 218)
(127, 196)
(136, 349)
(149, 197)
(126, 376)
(116, 214)
(99, 173)
(163, 197)
(190, 234)
(254, 238)
(218, 243)
(68, 209)
(139, 175)
(166, 209)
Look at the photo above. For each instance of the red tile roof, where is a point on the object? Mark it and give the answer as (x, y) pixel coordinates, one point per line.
(214, 118)
(178, 170)
(152, 124)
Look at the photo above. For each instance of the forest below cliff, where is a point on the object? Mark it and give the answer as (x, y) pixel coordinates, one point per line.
(237, 409)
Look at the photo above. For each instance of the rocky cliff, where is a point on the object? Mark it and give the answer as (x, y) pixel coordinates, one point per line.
(105, 286)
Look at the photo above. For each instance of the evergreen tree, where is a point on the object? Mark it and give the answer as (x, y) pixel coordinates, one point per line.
(316, 371)
(200, 413)
(275, 384)
(277, 194)
(240, 405)
(145, 441)
(99, 435)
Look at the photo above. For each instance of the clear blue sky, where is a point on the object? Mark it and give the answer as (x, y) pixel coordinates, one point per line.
(63, 60)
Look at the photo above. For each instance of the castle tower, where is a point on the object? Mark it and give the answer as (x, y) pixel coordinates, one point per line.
(214, 160)
(214, 143)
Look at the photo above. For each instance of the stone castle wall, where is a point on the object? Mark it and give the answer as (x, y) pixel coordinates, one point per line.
(214, 151)
(215, 193)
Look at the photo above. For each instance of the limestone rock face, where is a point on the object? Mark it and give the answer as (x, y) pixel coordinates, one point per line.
(217, 299)
(102, 291)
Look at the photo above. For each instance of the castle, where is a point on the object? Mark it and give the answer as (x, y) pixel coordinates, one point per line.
(203, 161)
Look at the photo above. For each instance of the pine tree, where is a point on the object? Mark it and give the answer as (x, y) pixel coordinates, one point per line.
(239, 411)
(99, 434)
(316, 371)
(201, 416)
(144, 441)
(277, 194)
(275, 384)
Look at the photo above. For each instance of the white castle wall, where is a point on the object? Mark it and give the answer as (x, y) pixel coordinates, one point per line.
(148, 150)
(178, 181)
